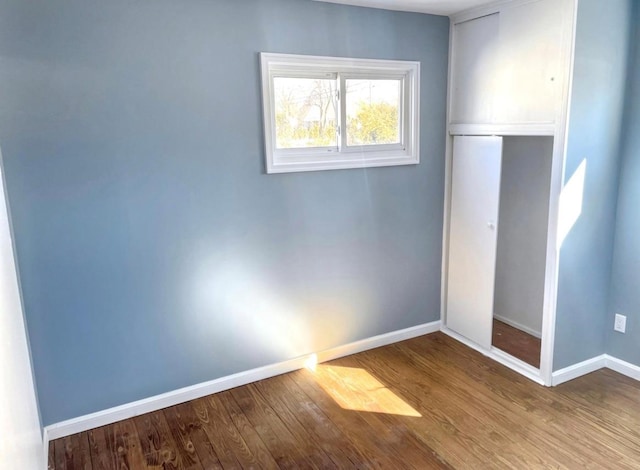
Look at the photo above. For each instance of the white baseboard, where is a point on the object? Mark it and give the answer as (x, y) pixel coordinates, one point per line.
(594, 364)
(378, 341)
(622, 367)
(578, 370)
(129, 410)
(503, 358)
(45, 445)
(559, 376)
(518, 326)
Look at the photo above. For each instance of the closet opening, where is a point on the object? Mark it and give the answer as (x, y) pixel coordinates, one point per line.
(521, 246)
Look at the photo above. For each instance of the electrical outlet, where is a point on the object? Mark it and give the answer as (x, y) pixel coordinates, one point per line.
(620, 323)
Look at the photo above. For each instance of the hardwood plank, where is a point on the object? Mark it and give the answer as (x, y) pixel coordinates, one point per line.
(545, 411)
(81, 444)
(483, 397)
(221, 428)
(614, 415)
(182, 422)
(608, 397)
(459, 422)
(101, 457)
(59, 459)
(328, 421)
(381, 415)
(590, 446)
(74, 451)
(351, 425)
(51, 464)
(124, 443)
(201, 442)
(390, 437)
(157, 444)
(319, 426)
(223, 438)
(251, 438)
(282, 445)
(312, 447)
(441, 426)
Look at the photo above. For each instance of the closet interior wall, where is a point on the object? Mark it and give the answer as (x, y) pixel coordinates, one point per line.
(522, 232)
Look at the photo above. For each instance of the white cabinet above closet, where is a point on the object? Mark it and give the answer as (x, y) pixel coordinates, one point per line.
(474, 65)
(509, 66)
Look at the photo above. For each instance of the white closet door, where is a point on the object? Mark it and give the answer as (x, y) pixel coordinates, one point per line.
(475, 200)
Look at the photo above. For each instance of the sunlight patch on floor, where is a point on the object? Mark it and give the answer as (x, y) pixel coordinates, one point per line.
(356, 389)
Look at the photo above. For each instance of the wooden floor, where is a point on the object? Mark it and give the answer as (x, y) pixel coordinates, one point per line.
(517, 343)
(425, 403)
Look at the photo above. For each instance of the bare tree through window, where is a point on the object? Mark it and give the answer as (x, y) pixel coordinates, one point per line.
(306, 112)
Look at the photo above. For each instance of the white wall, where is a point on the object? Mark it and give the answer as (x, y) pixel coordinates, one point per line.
(20, 432)
(522, 231)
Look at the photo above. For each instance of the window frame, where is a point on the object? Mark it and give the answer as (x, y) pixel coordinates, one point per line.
(342, 156)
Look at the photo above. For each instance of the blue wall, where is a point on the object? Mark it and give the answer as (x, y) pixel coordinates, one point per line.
(625, 291)
(595, 130)
(154, 252)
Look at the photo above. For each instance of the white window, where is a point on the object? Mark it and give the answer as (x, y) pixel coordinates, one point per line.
(324, 113)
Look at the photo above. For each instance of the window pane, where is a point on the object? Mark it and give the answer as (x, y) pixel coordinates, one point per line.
(373, 111)
(306, 111)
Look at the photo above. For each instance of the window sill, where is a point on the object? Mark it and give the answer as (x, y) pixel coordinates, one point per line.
(290, 165)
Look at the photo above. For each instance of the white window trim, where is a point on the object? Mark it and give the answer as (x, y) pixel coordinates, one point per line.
(341, 156)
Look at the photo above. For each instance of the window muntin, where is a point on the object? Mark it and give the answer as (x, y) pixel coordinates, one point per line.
(328, 113)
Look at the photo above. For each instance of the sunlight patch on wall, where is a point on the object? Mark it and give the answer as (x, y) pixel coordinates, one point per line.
(356, 389)
(238, 303)
(571, 200)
